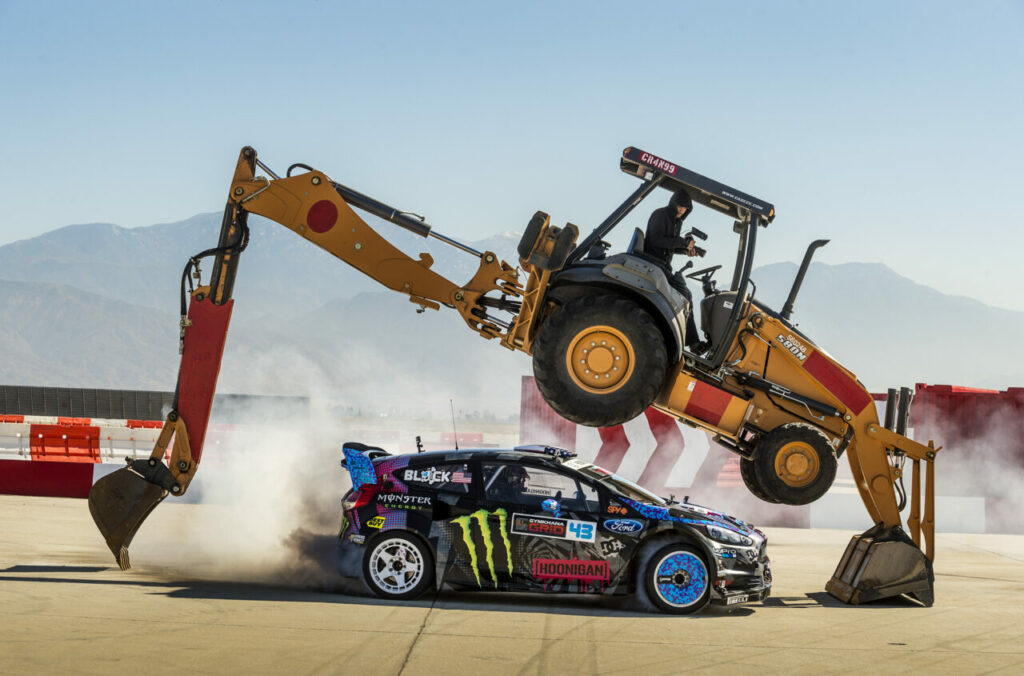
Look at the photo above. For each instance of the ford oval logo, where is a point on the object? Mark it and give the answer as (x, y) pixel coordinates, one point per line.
(623, 525)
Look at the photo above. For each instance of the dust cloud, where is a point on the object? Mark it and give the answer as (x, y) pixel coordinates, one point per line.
(265, 506)
(983, 460)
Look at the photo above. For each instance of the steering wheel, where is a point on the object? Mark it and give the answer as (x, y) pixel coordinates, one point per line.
(699, 273)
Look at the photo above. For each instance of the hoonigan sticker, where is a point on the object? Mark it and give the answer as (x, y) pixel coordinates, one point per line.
(573, 570)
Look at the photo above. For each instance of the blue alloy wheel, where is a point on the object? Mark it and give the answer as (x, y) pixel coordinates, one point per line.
(677, 580)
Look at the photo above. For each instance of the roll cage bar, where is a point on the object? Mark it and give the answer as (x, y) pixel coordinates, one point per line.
(748, 212)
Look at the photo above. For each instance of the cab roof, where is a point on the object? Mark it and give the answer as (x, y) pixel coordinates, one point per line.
(708, 192)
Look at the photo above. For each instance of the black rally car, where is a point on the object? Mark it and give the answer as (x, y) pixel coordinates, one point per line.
(537, 519)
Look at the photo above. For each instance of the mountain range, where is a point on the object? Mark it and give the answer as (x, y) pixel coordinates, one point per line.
(96, 306)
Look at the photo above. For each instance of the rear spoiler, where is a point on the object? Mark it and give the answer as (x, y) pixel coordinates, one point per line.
(358, 461)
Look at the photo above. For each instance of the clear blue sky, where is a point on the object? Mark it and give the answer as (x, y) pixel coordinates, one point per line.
(894, 129)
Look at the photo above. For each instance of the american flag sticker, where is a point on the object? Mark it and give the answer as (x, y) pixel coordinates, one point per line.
(462, 478)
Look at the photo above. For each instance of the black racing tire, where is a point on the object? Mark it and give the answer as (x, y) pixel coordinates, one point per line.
(529, 238)
(578, 354)
(753, 484)
(673, 578)
(795, 464)
(397, 566)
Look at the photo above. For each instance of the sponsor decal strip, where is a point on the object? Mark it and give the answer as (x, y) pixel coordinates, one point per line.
(548, 527)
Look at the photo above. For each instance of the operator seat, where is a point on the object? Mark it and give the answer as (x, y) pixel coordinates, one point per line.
(636, 243)
(636, 248)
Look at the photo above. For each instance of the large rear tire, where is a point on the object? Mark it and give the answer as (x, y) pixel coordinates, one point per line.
(795, 464)
(749, 474)
(600, 360)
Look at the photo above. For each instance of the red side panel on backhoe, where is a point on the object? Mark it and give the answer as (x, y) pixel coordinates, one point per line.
(200, 366)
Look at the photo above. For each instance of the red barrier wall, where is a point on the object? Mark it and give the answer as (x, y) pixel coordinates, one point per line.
(45, 479)
(65, 442)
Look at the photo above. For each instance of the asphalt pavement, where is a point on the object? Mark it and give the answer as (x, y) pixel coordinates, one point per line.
(66, 607)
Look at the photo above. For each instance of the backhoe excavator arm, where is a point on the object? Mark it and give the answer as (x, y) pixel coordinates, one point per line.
(318, 209)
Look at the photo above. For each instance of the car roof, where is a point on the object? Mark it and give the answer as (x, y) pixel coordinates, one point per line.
(464, 454)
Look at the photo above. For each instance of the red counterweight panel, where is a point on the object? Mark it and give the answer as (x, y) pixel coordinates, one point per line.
(200, 366)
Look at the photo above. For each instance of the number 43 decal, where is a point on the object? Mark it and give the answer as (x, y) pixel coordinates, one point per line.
(580, 530)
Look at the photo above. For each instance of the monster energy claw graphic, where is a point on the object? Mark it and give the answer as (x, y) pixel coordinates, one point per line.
(481, 517)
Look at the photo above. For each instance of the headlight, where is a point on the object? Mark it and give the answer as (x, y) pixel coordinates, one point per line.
(726, 535)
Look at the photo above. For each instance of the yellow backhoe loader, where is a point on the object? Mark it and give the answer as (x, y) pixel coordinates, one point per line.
(607, 334)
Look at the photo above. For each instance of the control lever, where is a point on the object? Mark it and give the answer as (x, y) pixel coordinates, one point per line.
(699, 234)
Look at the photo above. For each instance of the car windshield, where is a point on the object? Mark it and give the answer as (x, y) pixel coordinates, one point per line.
(616, 483)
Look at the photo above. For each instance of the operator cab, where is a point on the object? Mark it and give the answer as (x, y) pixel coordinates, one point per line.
(720, 316)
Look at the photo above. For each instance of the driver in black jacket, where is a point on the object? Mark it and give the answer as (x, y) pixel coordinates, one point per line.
(662, 241)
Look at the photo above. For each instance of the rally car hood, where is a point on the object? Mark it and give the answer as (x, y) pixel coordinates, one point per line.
(701, 514)
(696, 515)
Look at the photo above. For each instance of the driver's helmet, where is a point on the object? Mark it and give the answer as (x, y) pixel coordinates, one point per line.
(516, 478)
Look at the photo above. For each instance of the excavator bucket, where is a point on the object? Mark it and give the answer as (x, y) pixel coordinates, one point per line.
(880, 563)
(119, 503)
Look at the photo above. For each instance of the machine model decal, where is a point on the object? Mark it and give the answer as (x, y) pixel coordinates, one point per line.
(573, 570)
(627, 526)
(793, 345)
(547, 527)
(482, 519)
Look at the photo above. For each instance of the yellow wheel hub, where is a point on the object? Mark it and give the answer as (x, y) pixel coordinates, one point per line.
(600, 359)
(797, 464)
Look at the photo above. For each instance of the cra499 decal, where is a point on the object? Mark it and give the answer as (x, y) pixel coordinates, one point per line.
(536, 519)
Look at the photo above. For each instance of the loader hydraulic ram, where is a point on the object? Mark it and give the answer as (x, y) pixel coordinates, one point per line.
(607, 334)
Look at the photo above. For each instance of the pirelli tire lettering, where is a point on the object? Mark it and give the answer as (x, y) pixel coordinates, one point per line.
(487, 531)
(793, 345)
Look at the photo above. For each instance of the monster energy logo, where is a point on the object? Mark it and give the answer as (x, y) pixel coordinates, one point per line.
(481, 517)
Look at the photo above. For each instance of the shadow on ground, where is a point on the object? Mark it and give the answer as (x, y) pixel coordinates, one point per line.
(349, 593)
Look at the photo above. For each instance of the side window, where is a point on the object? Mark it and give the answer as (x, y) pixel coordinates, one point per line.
(531, 486)
(448, 478)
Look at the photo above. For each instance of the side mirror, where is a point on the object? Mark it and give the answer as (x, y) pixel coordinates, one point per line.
(551, 505)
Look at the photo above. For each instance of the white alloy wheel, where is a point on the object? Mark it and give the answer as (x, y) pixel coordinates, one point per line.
(396, 567)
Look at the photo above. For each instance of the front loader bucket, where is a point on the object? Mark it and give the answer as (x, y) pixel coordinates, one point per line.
(119, 503)
(879, 563)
